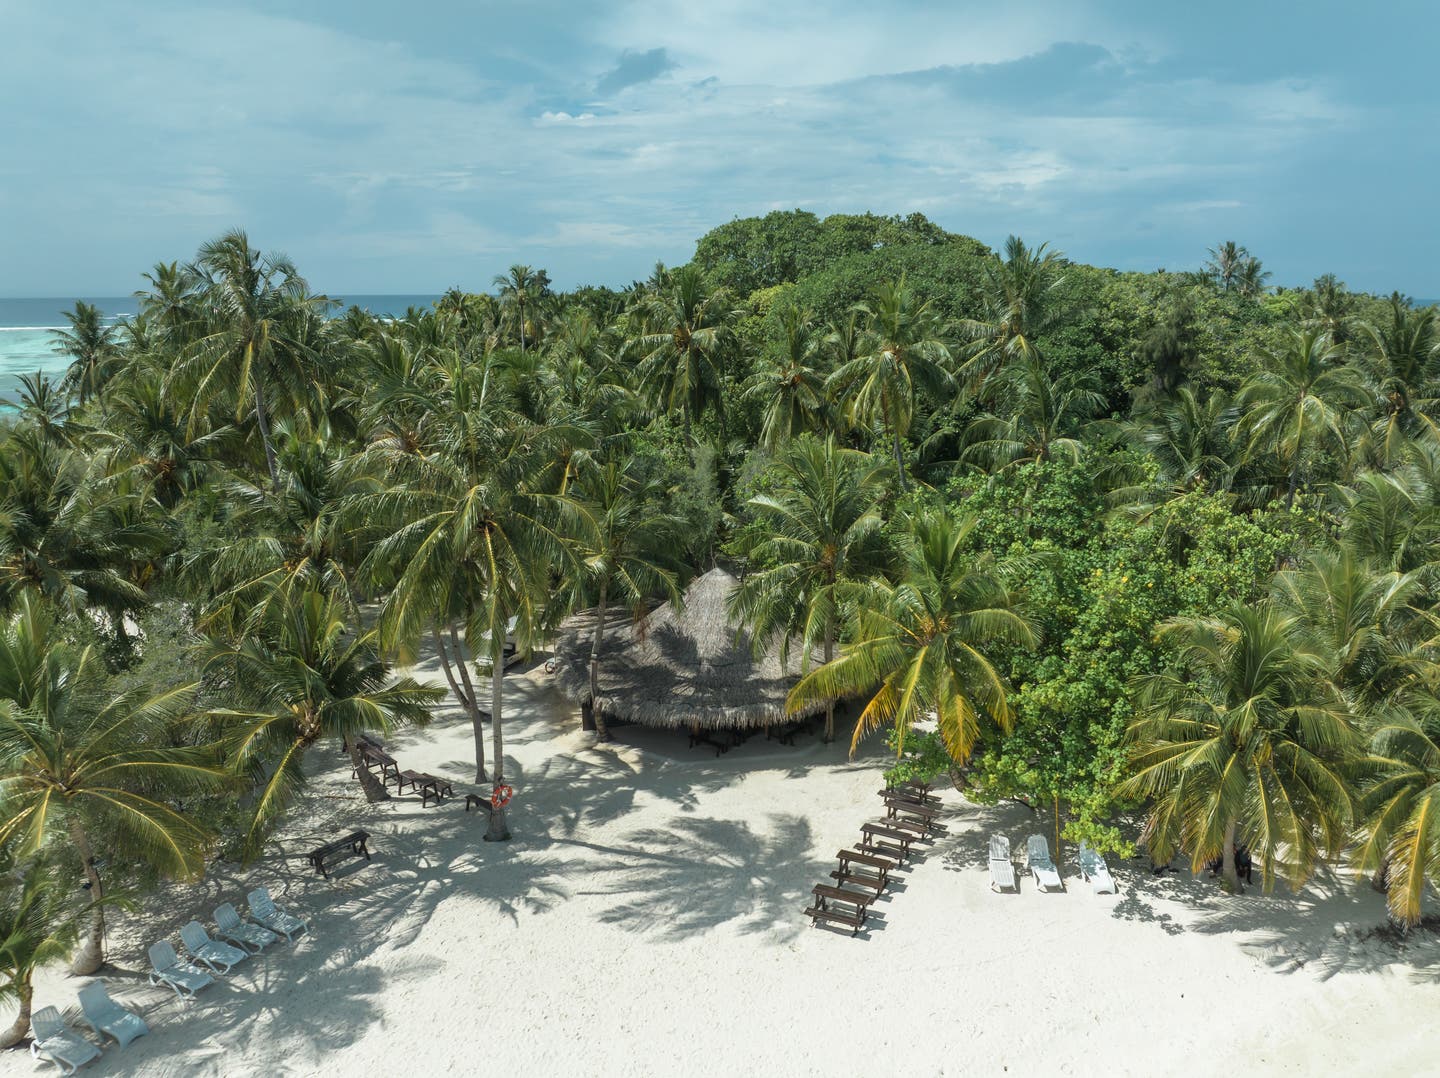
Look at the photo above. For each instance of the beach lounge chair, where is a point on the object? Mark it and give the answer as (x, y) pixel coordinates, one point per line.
(184, 977)
(1002, 869)
(264, 910)
(108, 1018)
(1094, 869)
(232, 927)
(58, 1042)
(212, 952)
(1037, 852)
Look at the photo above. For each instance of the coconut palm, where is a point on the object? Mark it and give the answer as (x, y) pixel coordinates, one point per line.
(1250, 278)
(37, 925)
(93, 350)
(1402, 356)
(920, 645)
(255, 350)
(820, 538)
(303, 674)
(1298, 399)
(1400, 803)
(170, 303)
(1020, 303)
(42, 405)
(626, 549)
(685, 348)
(521, 291)
(1244, 741)
(903, 357)
(788, 390)
(93, 766)
(1042, 421)
(1226, 262)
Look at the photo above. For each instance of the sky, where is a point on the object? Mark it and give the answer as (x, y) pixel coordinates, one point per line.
(408, 148)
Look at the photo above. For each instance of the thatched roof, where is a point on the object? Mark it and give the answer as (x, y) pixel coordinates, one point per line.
(678, 668)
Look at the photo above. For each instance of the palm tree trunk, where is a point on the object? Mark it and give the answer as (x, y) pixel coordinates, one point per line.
(91, 955)
(262, 419)
(16, 1033)
(1294, 481)
(499, 830)
(1232, 874)
(895, 439)
(1380, 881)
(830, 705)
(446, 667)
(472, 705)
(601, 733)
(374, 789)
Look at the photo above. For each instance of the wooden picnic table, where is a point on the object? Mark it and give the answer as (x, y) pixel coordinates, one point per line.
(698, 738)
(914, 808)
(867, 858)
(826, 893)
(914, 827)
(351, 845)
(878, 837)
(372, 756)
(821, 910)
(426, 785)
(909, 797)
(846, 874)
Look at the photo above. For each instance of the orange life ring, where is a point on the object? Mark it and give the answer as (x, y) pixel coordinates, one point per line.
(501, 795)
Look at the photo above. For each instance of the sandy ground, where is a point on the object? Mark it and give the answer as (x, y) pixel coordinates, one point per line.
(646, 920)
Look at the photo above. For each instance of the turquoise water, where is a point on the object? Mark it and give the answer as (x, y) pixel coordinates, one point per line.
(27, 329)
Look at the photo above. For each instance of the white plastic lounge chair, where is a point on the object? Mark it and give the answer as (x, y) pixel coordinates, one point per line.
(1094, 869)
(264, 910)
(185, 978)
(212, 952)
(58, 1042)
(1002, 869)
(108, 1018)
(240, 932)
(1041, 867)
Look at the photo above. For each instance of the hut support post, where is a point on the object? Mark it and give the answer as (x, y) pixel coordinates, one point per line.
(601, 733)
(499, 829)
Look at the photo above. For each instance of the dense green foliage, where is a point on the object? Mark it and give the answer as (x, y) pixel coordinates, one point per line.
(1043, 518)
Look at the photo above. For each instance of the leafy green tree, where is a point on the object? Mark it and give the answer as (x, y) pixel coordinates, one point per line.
(1243, 742)
(522, 290)
(1297, 399)
(37, 925)
(300, 675)
(817, 541)
(93, 350)
(1020, 304)
(625, 547)
(789, 391)
(1227, 260)
(254, 351)
(921, 644)
(903, 356)
(97, 769)
(690, 339)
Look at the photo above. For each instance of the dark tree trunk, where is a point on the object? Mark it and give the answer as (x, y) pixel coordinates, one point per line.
(1381, 879)
(91, 955)
(477, 717)
(499, 829)
(373, 787)
(601, 733)
(830, 705)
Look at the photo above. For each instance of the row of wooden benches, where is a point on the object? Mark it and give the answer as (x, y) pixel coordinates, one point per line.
(373, 755)
(885, 845)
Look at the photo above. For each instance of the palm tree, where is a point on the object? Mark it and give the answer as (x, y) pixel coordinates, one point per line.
(626, 548)
(1250, 278)
(41, 405)
(788, 390)
(1226, 261)
(522, 288)
(1297, 398)
(1400, 803)
(170, 302)
(820, 538)
(1403, 358)
(1191, 439)
(1245, 741)
(920, 644)
(1045, 415)
(303, 674)
(86, 763)
(903, 357)
(1019, 305)
(93, 350)
(684, 353)
(37, 925)
(254, 349)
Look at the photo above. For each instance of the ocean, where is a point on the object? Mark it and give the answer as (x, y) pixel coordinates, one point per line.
(27, 329)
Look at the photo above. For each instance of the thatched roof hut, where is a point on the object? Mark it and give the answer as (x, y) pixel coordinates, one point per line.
(679, 669)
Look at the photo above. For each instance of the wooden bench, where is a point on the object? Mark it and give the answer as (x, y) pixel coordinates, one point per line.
(891, 793)
(476, 800)
(698, 738)
(856, 921)
(426, 785)
(913, 827)
(372, 756)
(352, 845)
(858, 899)
(868, 858)
(877, 830)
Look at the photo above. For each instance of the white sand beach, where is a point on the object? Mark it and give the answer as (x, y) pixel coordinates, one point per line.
(646, 920)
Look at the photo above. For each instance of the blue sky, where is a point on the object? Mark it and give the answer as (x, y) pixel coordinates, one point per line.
(412, 147)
